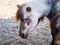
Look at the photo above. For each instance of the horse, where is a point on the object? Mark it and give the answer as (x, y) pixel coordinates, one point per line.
(55, 29)
(29, 14)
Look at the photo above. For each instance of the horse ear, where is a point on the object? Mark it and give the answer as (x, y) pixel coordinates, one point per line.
(17, 17)
(19, 6)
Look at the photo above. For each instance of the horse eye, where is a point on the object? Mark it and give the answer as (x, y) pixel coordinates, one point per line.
(28, 9)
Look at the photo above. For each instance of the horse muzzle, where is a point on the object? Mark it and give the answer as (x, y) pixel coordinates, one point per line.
(22, 31)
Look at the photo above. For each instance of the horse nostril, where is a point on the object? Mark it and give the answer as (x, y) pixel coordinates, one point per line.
(24, 36)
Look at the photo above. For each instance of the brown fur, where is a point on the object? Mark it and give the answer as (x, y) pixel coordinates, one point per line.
(57, 38)
(53, 21)
(17, 13)
(55, 30)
